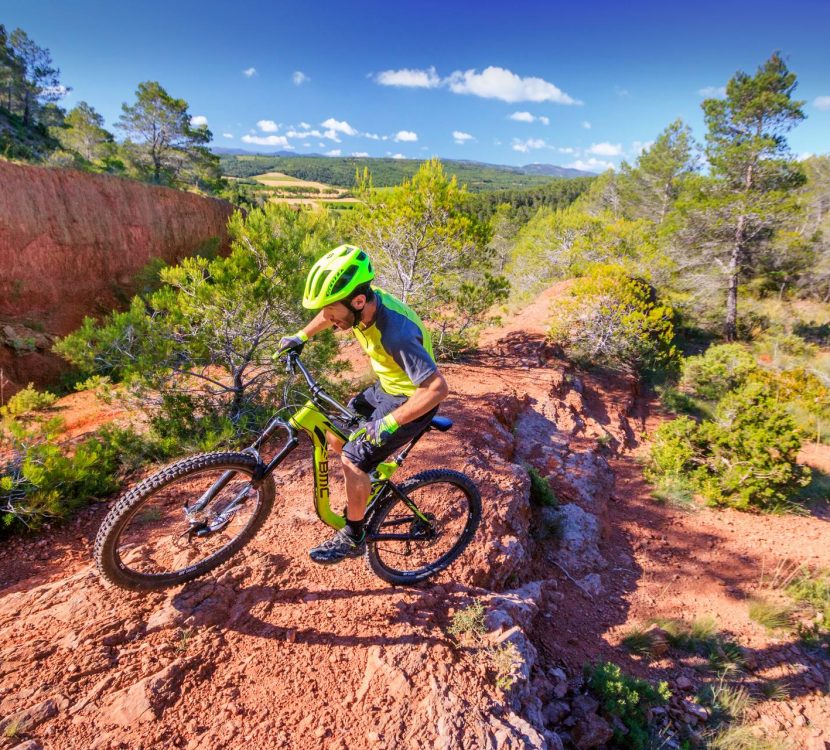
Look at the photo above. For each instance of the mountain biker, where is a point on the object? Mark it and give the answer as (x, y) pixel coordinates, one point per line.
(399, 405)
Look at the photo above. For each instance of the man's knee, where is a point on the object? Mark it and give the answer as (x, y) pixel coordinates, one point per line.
(335, 444)
(350, 466)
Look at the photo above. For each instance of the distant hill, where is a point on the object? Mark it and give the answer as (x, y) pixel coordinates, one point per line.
(553, 171)
(340, 171)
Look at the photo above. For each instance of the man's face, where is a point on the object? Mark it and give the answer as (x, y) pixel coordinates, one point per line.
(340, 315)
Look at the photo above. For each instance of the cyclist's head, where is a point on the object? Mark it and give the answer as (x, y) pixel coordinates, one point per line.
(335, 280)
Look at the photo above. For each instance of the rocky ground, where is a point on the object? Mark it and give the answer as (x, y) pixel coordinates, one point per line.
(275, 652)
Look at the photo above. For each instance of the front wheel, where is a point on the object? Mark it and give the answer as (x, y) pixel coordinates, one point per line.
(183, 521)
(410, 547)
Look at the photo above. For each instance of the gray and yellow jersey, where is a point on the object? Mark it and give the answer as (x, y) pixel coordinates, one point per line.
(399, 346)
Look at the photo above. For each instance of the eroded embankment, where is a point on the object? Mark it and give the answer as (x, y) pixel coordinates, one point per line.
(70, 245)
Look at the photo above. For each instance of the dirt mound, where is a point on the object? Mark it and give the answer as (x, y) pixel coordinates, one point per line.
(275, 652)
(70, 245)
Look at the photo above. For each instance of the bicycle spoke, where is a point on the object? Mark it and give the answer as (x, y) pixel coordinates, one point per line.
(160, 538)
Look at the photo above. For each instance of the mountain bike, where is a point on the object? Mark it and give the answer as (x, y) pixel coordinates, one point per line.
(195, 514)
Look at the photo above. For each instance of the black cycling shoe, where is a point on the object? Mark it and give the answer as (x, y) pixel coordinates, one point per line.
(338, 548)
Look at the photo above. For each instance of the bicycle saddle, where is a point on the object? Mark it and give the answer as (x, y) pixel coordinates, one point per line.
(440, 423)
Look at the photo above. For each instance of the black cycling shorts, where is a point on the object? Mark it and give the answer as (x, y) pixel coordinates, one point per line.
(374, 403)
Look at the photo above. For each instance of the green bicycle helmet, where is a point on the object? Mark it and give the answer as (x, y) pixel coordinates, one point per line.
(336, 275)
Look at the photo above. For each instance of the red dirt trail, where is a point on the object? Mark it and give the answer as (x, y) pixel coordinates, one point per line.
(273, 651)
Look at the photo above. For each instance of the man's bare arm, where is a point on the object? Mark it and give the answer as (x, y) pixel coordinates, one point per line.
(429, 394)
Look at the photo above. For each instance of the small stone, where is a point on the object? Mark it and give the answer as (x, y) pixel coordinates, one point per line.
(591, 731)
(554, 712)
(584, 705)
(683, 683)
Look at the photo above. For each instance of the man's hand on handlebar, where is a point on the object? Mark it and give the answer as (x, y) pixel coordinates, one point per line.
(295, 342)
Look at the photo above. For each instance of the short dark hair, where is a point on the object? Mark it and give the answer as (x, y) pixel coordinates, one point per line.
(364, 288)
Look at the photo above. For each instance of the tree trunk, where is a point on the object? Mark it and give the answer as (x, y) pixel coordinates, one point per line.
(730, 331)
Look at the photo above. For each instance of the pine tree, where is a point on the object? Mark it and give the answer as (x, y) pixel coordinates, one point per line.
(160, 138)
(730, 217)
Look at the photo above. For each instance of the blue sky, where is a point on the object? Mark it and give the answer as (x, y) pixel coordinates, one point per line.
(579, 84)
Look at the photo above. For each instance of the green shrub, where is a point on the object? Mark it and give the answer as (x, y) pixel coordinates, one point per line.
(744, 458)
(627, 698)
(703, 638)
(541, 493)
(43, 481)
(813, 588)
(615, 320)
(771, 615)
(752, 447)
(26, 401)
(468, 622)
(721, 369)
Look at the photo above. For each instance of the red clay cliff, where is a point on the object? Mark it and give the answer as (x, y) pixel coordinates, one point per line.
(70, 245)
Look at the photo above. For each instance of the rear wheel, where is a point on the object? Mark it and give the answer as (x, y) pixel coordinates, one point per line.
(153, 539)
(451, 506)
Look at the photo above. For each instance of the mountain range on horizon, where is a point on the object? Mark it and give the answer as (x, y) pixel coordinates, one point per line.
(536, 168)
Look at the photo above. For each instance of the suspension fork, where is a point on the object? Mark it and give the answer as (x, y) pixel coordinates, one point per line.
(260, 471)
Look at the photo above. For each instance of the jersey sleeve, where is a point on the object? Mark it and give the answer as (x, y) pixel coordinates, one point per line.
(407, 349)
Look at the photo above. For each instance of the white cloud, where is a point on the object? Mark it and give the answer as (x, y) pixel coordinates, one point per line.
(372, 136)
(637, 147)
(333, 152)
(566, 150)
(398, 156)
(303, 133)
(266, 140)
(405, 136)
(712, 91)
(331, 135)
(803, 157)
(339, 126)
(620, 91)
(529, 144)
(528, 117)
(299, 78)
(199, 121)
(460, 137)
(591, 165)
(59, 91)
(249, 72)
(409, 78)
(360, 154)
(499, 83)
(267, 126)
(227, 135)
(822, 103)
(305, 125)
(586, 125)
(606, 149)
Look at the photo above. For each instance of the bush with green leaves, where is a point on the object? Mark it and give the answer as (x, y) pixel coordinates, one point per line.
(208, 332)
(717, 371)
(27, 400)
(744, 458)
(43, 479)
(615, 320)
(627, 698)
(541, 493)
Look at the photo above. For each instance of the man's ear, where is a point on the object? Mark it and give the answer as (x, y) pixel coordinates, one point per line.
(359, 302)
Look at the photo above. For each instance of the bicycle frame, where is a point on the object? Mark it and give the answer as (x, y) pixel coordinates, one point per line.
(311, 419)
